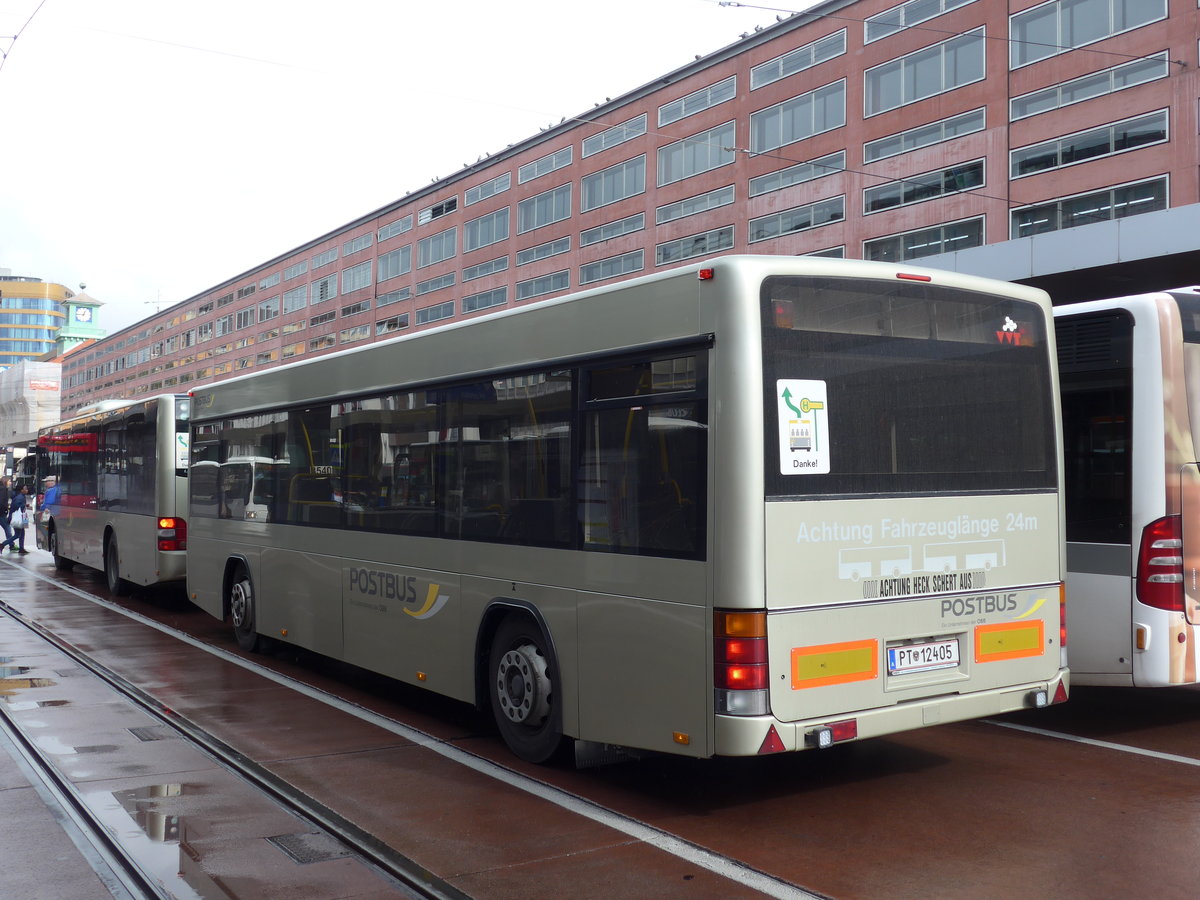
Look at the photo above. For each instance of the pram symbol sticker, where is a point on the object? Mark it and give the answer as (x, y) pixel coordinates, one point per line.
(803, 417)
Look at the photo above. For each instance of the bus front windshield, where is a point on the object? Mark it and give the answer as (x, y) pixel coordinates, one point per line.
(875, 388)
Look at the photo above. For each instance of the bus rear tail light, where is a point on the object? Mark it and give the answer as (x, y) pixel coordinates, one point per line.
(172, 534)
(740, 662)
(825, 736)
(1160, 564)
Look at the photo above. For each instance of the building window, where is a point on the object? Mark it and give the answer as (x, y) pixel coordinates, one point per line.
(1108, 140)
(924, 136)
(906, 15)
(926, 73)
(354, 245)
(295, 271)
(926, 241)
(1084, 209)
(354, 309)
(830, 253)
(615, 183)
(698, 101)
(437, 247)
(1098, 84)
(356, 277)
(497, 185)
(435, 284)
(391, 229)
(323, 318)
(268, 309)
(393, 297)
(918, 188)
(269, 356)
(1054, 28)
(799, 174)
(798, 118)
(357, 333)
(699, 153)
(613, 267)
(324, 259)
(489, 229)
(325, 289)
(798, 60)
(324, 342)
(485, 300)
(296, 298)
(543, 251)
(246, 291)
(693, 205)
(292, 350)
(545, 165)
(435, 313)
(544, 209)
(390, 325)
(695, 245)
(614, 136)
(801, 218)
(491, 267)
(395, 263)
(436, 211)
(544, 284)
(611, 230)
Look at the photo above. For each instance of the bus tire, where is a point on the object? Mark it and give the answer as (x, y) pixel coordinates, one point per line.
(524, 691)
(61, 563)
(243, 611)
(117, 586)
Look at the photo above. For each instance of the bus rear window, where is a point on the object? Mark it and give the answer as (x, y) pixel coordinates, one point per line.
(908, 387)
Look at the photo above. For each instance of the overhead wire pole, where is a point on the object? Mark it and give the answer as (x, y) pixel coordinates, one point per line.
(12, 39)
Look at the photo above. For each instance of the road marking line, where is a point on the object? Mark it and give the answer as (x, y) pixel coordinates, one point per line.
(1092, 742)
(693, 854)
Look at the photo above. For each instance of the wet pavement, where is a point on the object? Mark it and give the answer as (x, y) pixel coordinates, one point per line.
(965, 811)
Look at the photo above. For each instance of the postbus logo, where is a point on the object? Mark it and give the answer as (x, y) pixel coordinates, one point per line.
(1010, 333)
(402, 588)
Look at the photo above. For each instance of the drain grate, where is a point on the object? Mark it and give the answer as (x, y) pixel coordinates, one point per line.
(154, 733)
(310, 848)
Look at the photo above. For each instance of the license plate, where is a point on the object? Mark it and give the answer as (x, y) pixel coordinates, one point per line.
(922, 657)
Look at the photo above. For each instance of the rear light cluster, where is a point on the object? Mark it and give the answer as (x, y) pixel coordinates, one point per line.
(740, 662)
(172, 534)
(1160, 564)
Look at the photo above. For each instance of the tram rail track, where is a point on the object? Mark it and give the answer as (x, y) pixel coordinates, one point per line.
(413, 877)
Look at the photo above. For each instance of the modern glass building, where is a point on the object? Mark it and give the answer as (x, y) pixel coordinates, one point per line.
(32, 312)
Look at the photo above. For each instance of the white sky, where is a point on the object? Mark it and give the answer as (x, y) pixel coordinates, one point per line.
(153, 149)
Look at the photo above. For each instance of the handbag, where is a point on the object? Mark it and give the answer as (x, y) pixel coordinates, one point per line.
(19, 518)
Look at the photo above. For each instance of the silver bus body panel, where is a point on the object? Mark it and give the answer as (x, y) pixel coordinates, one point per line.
(1102, 607)
(634, 634)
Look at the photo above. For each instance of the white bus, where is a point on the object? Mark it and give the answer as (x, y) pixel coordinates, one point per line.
(591, 514)
(1130, 372)
(114, 483)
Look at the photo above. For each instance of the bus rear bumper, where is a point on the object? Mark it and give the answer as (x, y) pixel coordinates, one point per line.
(751, 735)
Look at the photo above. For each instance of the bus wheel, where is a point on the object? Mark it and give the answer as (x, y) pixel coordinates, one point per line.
(241, 610)
(117, 586)
(524, 692)
(60, 562)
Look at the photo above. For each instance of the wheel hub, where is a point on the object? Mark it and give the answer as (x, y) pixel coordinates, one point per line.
(238, 605)
(523, 686)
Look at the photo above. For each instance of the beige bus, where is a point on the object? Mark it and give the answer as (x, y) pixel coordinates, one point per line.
(749, 506)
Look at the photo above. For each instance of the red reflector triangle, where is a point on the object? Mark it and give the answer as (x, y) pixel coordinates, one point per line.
(771, 743)
(1060, 694)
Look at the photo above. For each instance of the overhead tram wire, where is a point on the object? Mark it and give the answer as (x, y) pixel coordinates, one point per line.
(12, 39)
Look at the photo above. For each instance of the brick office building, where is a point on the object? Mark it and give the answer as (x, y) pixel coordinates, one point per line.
(1053, 143)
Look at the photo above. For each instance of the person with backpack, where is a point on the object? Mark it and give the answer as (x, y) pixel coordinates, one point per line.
(18, 519)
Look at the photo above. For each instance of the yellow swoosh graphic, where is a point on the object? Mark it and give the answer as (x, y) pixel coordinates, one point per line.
(1036, 606)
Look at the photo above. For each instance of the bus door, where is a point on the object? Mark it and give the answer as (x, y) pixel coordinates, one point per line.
(1189, 492)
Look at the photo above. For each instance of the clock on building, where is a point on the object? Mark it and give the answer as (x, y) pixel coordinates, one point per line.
(83, 314)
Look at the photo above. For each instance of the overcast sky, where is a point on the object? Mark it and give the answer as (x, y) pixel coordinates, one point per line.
(152, 149)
